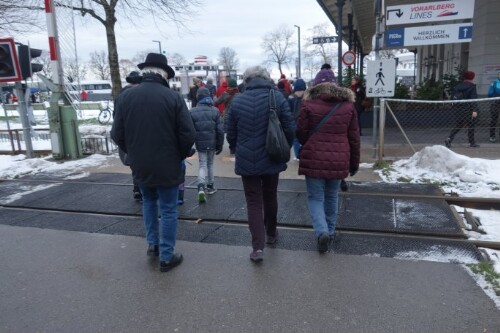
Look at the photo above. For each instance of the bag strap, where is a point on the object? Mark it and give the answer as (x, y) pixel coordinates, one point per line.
(272, 100)
(325, 118)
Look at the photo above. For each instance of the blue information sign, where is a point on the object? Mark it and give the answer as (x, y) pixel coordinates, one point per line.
(395, 37)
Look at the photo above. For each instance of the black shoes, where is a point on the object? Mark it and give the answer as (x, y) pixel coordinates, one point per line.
(272, 240)
(323, 241)
(474, 145)
(344, 187)
(175, 261)
(153, 250)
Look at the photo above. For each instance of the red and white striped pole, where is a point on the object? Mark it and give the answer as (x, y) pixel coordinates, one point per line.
(55, 53)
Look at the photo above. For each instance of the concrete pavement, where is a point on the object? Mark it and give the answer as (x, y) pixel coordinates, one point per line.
(64, 281)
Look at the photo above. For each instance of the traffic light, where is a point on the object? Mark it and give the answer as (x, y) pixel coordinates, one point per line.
(9, 65)
(26, 54)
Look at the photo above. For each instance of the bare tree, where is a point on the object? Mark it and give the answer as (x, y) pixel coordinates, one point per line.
(326, 51)
(311, 63)
(16, 21)
(99, 65)
(141, 56)
(75, 72)
(277, 46)
(107, 12)
(127, 66)
(227, 58)
(176, 59)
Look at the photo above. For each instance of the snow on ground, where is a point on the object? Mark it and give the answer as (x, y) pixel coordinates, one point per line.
(18, 166)
(468, 177)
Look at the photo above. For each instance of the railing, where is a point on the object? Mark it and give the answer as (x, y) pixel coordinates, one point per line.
(98, 145)
(12, 142)
(407, 126)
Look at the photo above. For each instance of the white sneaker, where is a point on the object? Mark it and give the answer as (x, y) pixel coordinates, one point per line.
(493, 139)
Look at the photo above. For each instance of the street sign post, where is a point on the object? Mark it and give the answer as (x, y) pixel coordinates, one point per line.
(322, 40)
(429, 12)
(381, 78)
(429, 35)
(348, 58)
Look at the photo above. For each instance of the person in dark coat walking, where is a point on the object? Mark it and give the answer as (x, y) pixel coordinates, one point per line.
(295, 101)
(330, 153)
(133, 79)
(211, 87)
(154, 127)
(467, 113)
(209, 140)
(359, 91)
(197, 83)
(247, 121)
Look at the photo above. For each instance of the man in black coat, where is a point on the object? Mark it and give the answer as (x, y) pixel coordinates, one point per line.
(154, 127)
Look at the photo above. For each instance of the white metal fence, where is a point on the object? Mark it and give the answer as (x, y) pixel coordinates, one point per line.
(406, 126)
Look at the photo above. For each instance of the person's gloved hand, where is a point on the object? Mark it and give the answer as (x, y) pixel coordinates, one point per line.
(218, 151)
(191, 152)
(353, 171)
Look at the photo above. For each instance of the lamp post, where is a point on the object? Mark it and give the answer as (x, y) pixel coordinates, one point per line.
(159, 44)
(299, 69)
(340, 4)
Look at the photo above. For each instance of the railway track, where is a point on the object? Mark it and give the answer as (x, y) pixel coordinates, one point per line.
(466, 202)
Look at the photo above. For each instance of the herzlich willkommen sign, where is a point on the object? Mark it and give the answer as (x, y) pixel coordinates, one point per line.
(429, 35)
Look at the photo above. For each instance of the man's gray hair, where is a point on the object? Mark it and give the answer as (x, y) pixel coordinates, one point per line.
(155, 70)
(256, 72)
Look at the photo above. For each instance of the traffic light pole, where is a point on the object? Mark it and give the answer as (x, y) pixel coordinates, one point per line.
(23, 113)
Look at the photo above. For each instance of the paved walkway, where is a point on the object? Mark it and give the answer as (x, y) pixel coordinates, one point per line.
(62, 281)
(69, 281)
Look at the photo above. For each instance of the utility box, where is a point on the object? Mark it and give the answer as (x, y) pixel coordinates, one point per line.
(72, 145)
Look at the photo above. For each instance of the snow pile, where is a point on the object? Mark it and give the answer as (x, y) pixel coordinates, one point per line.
(469, 177)
(18, 166)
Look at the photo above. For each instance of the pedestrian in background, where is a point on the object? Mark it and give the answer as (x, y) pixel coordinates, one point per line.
(211, 87)
(247, 122)
(219, 93)
(197, 83)
(494, 91)
(467, 113)
(154, 127)
(328, 130)
(359, 90)
(209, 141)
(286, 84)
(295, 102)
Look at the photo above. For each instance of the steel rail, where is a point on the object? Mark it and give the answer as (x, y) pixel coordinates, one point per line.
(376, 232)
(466, 202)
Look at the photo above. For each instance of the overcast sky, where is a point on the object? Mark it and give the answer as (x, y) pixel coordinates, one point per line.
(239, 25)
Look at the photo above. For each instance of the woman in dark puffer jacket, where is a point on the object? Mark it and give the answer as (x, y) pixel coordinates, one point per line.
(329, 154)
(247, 121)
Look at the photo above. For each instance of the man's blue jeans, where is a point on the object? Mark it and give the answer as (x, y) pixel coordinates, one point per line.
(165, 232)
(322, 200)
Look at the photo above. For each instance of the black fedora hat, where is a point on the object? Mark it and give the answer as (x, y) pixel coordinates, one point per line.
(134, 77)
(157, 60)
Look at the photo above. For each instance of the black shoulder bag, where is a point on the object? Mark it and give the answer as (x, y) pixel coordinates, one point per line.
(277, 146)
(317, 127)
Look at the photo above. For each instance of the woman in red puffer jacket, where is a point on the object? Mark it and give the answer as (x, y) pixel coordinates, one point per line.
(330, 153)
